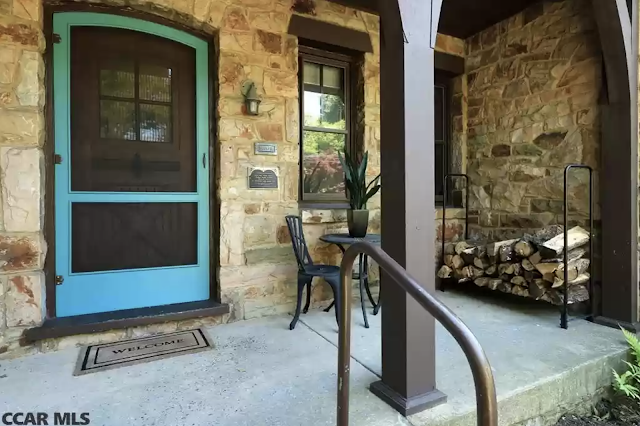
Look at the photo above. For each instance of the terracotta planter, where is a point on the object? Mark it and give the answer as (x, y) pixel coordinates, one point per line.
(358, 221)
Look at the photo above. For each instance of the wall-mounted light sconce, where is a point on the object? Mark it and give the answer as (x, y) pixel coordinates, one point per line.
(251, 99)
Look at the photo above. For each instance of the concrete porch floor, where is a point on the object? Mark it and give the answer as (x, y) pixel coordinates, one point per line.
(260, 373)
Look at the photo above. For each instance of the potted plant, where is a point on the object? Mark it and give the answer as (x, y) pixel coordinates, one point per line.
(358, 192)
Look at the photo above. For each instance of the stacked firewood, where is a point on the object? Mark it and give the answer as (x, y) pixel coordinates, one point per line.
(532, 266)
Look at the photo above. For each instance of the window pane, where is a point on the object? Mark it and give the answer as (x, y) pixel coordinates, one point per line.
(439, 119)
(117, 78)
(322, 110)
(439, 167)
(155, 83)
(155, 123)
(311, 73)
(117, 120)
(321, 166)
(332, 77)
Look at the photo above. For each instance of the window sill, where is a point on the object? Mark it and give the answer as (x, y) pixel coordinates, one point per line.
(452, 212)
(323, 205)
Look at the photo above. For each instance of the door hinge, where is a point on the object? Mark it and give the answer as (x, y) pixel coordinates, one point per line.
(56, 38)
(57, 159)
(59, 279)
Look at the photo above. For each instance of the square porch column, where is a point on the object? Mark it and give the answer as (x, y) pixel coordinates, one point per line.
(408, 204)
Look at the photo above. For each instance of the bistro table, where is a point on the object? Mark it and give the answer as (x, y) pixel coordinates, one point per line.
(363, 271)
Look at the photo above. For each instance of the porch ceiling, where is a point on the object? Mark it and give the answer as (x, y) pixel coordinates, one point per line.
(461, 18)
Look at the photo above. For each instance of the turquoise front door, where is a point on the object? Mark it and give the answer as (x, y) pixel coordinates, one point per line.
(132, 166)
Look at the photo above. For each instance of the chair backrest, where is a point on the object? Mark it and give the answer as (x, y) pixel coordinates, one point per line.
(294, 223)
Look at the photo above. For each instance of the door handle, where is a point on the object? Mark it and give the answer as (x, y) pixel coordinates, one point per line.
(59, 279)
(204, 161)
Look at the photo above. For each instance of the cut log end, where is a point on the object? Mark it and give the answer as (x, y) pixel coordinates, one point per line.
(445, 272)
(523, 248)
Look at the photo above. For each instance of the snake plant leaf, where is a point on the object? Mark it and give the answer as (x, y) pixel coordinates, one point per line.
(362, 170)
(373, 191)
(374, 182)
(345, 167)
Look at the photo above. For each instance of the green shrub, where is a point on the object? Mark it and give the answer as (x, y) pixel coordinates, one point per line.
(628, 383)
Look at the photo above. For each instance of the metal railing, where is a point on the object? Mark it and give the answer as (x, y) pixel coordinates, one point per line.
(487, 408)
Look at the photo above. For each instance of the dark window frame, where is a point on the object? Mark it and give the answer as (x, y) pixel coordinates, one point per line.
(346, 62)
(443, 81)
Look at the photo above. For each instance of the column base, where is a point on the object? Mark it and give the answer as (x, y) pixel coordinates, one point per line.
(610, 322)
(405, 406)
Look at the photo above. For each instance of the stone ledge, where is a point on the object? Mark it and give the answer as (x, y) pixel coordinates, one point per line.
(539, 403)
(452, 212)
(96, 323)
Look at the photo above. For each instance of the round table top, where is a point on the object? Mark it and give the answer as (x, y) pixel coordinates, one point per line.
(348, 239)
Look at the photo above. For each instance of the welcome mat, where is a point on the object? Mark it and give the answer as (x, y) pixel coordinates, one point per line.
(106, 356)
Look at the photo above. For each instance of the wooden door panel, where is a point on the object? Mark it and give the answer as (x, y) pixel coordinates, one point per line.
(116, 236)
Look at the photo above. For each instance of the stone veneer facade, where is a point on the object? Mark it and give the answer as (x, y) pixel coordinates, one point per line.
(529, 107)
(257, 271)
(527, 104)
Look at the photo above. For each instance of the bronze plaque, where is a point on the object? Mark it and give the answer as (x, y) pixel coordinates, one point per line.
(263, 178)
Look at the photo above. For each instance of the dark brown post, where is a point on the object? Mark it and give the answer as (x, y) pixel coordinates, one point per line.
(619, 165)
(407, 161)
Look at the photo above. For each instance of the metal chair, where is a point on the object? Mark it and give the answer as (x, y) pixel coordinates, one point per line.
(307, 270)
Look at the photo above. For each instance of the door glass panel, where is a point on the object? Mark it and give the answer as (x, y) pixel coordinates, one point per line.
(117, 79)
(155, 123)
(117, 120)
(155, 83)
(116, 236)
(134, 129)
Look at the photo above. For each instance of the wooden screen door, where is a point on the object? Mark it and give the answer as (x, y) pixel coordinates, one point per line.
(132, 173)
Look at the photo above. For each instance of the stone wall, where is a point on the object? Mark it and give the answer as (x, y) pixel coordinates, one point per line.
(527, 103)
(532, 88)
(257, 266)
(22, 245)
(257, 272)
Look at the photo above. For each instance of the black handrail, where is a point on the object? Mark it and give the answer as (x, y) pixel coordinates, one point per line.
(564, 317)
(487, 406)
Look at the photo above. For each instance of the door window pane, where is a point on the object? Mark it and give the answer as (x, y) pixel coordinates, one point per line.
(155, 83)
(117, 236)
(321, 166)
(155, 123)
(117, 79)
(117, 120)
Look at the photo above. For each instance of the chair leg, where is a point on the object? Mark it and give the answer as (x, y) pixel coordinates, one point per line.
(377, 308)
(361, 285)
(306, 306)
(302, 282)
(328, 308)
(336, 299)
